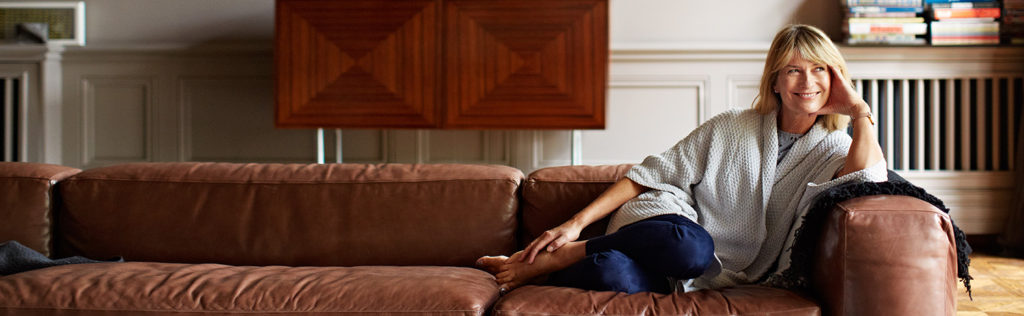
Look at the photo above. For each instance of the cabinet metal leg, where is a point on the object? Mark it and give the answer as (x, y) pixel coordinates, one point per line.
(576, 147)
(337, 145)
(320, 145)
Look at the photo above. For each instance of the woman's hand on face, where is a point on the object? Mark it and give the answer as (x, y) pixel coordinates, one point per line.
(550, 241)
(842, 98)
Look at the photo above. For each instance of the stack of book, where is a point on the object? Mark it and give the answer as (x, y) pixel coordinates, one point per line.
(1013, 21)
(964, 22)
(884, 22)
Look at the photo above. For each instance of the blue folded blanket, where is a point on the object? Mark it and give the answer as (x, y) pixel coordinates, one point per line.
(15, 258)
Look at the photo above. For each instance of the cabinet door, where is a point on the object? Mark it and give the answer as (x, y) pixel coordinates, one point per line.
(525, 63)
(357, 63)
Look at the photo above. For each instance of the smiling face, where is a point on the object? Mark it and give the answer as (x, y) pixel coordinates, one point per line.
(802, 85)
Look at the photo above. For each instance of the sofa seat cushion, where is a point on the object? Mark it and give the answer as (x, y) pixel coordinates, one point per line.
(741, 300)
(136, 288)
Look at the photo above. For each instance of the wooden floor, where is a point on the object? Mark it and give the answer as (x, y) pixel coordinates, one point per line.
(998, 287)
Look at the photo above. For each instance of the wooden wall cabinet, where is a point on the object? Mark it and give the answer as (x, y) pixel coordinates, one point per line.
(470, 64)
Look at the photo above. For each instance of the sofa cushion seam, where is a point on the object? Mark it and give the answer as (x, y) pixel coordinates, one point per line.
(27, 178)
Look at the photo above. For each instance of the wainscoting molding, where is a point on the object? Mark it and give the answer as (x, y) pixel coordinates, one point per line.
(117, 118)
(230, 118)
(459, 146)
(743, 89)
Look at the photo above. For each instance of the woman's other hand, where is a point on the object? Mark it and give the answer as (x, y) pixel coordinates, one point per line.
(843, 98)
(550, 241)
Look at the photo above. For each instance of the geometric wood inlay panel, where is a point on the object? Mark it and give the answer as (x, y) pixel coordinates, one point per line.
(526, 63)
(357, 63)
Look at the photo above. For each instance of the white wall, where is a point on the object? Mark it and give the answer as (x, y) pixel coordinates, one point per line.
(661, 21)
(161, 22)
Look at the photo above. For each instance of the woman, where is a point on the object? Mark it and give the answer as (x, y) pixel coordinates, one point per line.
(719, 208)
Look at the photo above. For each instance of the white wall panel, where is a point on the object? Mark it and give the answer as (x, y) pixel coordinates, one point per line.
(646, 115)
(743, 90)
(117, 120)
(551, 148)
(977, 200)
(232, 119)
(441, 146)
(359, 146)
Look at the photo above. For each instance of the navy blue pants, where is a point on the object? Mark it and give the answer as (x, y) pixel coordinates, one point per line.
(640, 257)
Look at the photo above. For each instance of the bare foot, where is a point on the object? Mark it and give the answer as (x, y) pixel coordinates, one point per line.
(491, 264)
(514, 273)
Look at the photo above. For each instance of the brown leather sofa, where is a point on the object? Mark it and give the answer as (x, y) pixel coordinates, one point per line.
(232, 239)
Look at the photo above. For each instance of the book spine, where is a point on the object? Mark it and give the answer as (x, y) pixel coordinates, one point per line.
(890, 3)
(948, 1)
(965, 40)
(887, 20)
(965, 37)
(883, 37)
(883, 15)
(940, 14)
(916, 41)
(886, 39)
(964, 5)
(884, 28)
(946, 29)
(878, 9)
(1013, 19)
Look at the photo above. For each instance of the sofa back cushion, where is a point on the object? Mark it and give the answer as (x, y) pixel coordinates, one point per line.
(26, 191)
(274, 214)
(553, 195)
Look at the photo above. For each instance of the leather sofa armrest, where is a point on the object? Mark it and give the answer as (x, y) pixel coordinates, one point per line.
(26, 202)
(886, 255)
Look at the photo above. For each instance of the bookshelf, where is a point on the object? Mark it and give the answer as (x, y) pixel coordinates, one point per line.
(933, 22)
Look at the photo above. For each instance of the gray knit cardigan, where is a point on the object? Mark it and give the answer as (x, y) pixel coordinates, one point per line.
(725, 177)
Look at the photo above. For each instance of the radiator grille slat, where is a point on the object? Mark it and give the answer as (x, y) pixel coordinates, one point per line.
(7, 129)
(904, 129)
(1011, 100)
(919, 105)
(996, 126)
(889, 126)
(980, 136)
(11, 119)
(950, 124)
(946, 124)
(935, 127)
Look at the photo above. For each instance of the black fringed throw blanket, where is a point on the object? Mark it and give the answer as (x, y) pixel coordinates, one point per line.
(796, 277)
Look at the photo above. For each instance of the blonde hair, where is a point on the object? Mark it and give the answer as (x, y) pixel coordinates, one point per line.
(812, 44)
